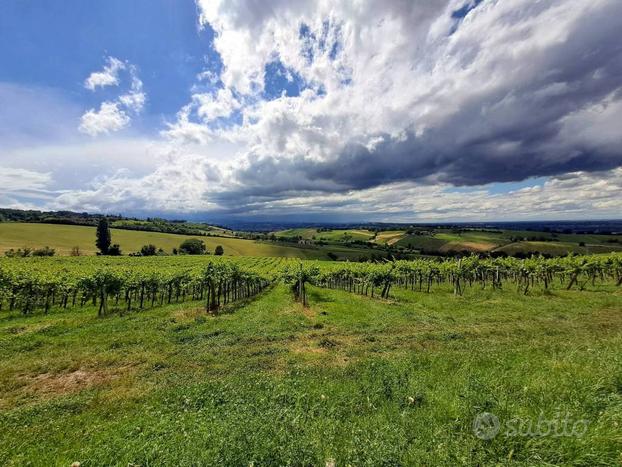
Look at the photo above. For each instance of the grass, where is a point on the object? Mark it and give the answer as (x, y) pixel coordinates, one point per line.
(502, 241)
(336, 235)
(478, 241)
(421, 242)
(341, 235)
(306, 233)
(557, 248)
(349, 379)
(64, 237)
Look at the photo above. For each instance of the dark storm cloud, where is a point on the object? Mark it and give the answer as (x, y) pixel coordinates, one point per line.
(519, 128)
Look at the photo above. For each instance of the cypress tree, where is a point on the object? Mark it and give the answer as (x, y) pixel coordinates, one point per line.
(103, 236)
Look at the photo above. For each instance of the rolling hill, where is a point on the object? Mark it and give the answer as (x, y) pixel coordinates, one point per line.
(64, 237)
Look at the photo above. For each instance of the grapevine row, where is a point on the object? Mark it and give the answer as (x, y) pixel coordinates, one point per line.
(376, 280)
(30, 284)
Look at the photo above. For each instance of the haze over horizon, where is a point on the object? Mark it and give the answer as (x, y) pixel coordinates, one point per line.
(326, 111)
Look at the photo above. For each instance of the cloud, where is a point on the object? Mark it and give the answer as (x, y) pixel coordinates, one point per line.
(109, 76)
(173, 187)
(414, 92)
(73, 165)
(34, 115)
(210, 107)
(383, 108)
(23, 189)
(15, 179)
(575, 195)
(113, 115)
(107, 119)
(134, 100)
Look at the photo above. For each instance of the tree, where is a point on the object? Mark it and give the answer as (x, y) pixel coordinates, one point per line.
(192, 246)
(148, 250)
(219, 251)
(103, 236)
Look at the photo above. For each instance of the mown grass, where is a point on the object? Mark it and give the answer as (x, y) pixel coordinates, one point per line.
(352, 379)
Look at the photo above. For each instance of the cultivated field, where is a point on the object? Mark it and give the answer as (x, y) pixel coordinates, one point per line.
(348, 379)
(64, 237)
(446, 241)
(335, 235)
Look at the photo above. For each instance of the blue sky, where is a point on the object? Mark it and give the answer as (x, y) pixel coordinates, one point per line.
(58, 43)
(387, 111)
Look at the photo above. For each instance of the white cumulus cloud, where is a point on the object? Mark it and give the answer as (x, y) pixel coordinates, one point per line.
(109, 76)
(108, 118)
(113, 115)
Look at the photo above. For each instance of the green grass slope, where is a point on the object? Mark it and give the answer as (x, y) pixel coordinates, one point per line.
(558, 248)
(336, 235)
(347, 381)
(341, 235)
(421, 242)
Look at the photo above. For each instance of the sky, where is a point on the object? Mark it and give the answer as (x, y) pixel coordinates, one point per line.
(336, 111)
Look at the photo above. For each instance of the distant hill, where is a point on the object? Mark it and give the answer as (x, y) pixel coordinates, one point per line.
(117, 221)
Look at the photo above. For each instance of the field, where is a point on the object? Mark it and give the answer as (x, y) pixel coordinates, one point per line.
(558, 248)
(64, 237)
(389, 237)
(349, 379)
(444, 241)
(336, 235)
(305, 233)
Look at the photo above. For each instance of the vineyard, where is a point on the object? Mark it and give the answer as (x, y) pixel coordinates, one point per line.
(126, 284)
(203, 360)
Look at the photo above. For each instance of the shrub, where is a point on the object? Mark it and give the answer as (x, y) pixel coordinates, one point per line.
(19, 253)
(45, 251)
(192, 246)
(148, 250)
(219, 251)
(114, 250)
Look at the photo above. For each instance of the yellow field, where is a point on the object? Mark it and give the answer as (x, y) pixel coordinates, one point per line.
(64, 237)
(390, 237)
